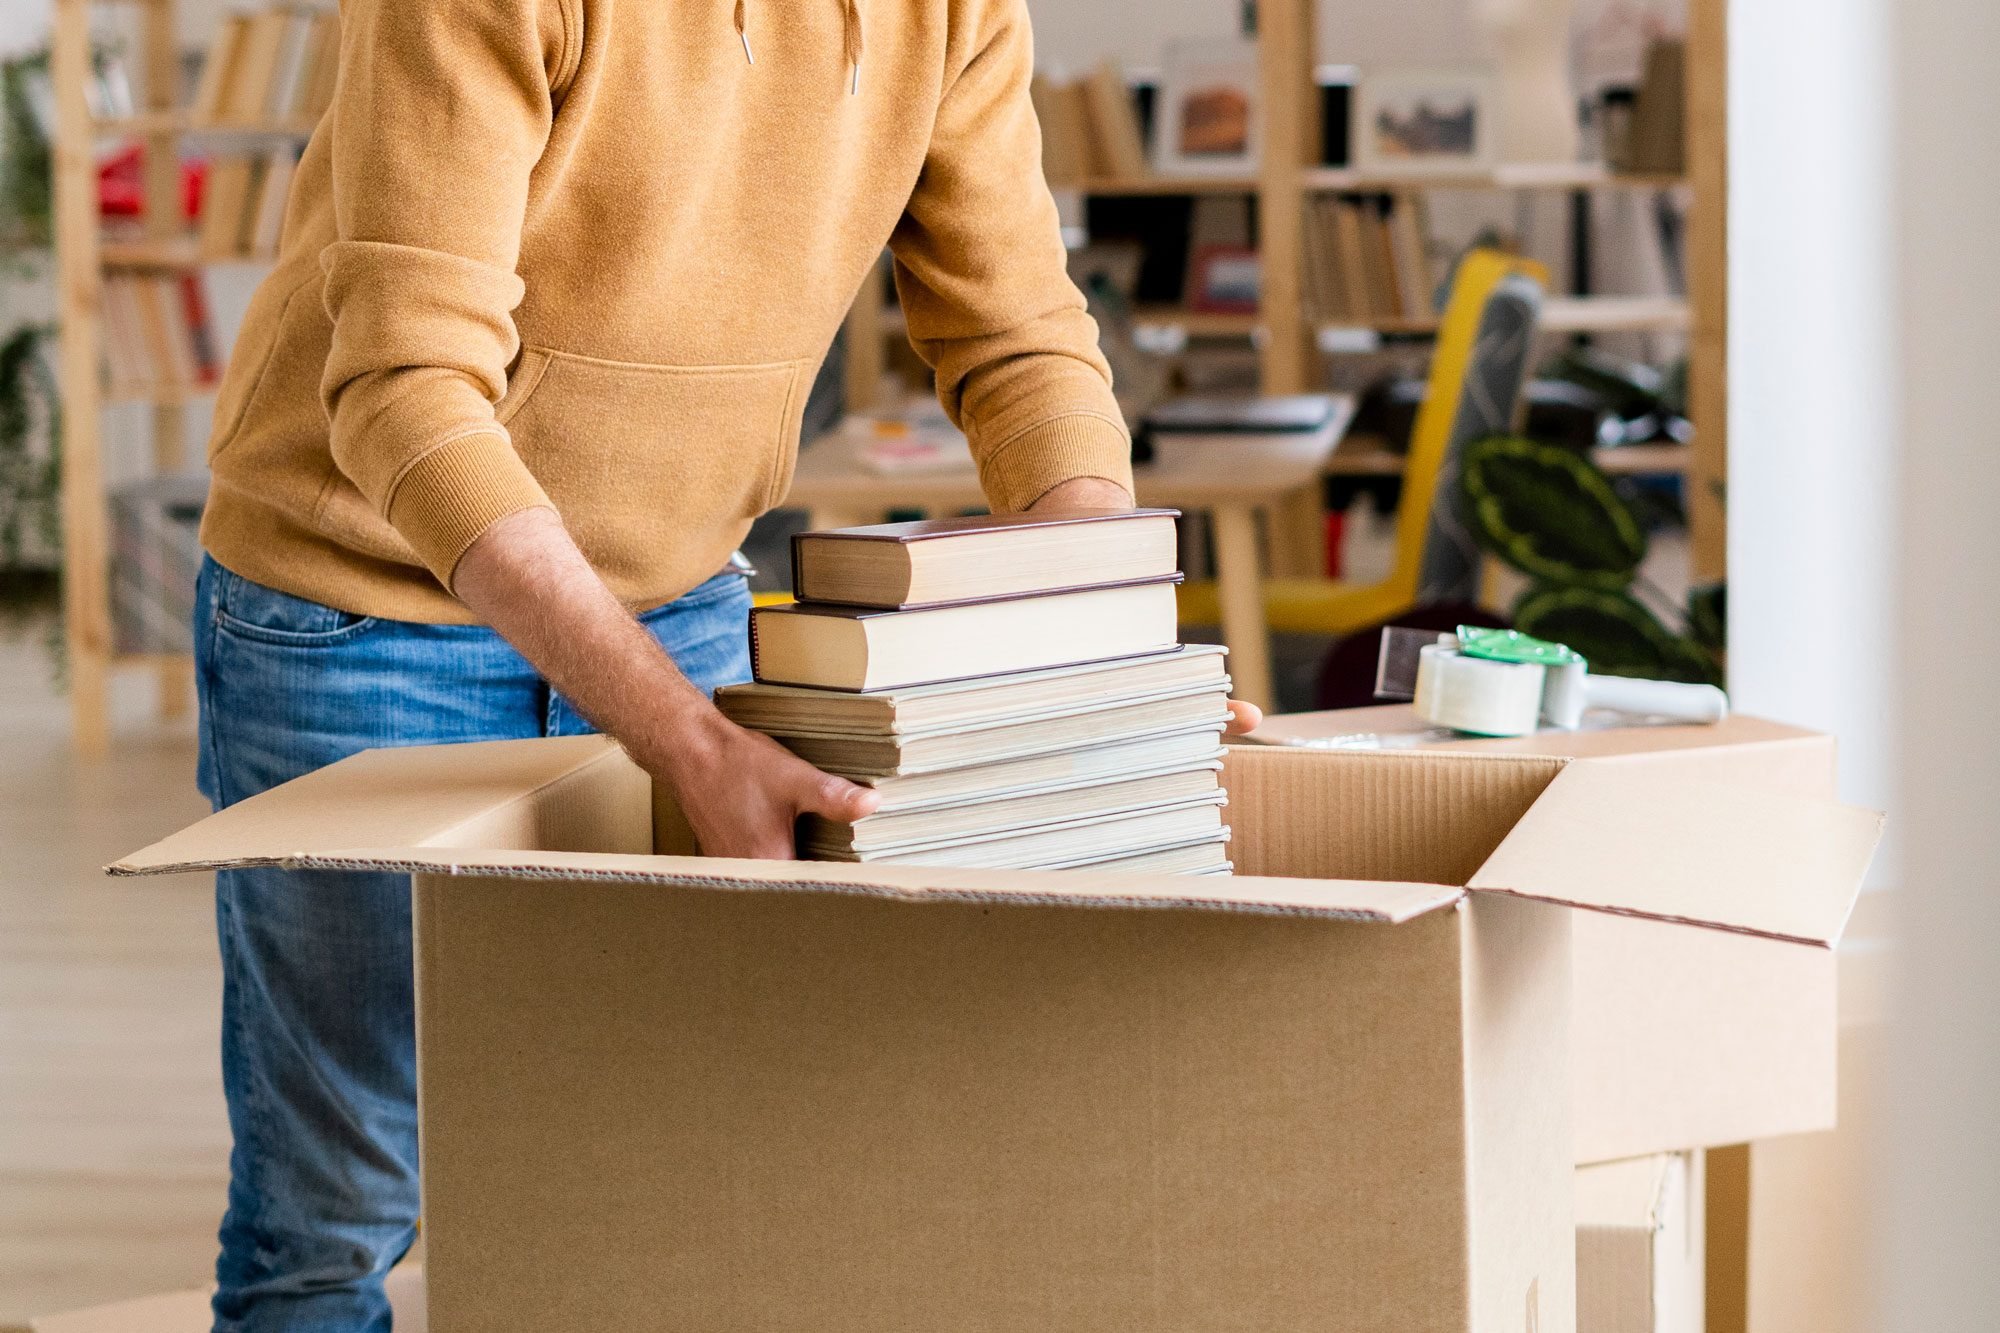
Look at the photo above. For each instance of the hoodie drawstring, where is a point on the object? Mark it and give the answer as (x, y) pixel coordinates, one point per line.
(850, 11)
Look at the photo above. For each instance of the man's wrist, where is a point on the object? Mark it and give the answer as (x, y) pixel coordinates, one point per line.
(677, 726)
(1083, 493)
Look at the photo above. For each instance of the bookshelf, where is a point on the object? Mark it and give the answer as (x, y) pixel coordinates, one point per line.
(1289, 339)
(87, 258)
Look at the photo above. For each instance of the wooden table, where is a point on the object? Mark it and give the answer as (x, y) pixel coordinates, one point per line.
(1232, 478)
(1358, 458)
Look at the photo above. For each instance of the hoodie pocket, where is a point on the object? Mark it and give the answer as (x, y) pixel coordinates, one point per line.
(654, 466)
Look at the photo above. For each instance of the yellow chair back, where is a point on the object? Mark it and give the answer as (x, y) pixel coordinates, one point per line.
(1479, 275)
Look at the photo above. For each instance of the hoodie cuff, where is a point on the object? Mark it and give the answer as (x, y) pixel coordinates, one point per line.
(1037, 460)
(448, 497)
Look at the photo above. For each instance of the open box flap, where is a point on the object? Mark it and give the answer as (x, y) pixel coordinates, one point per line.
(1633, 839)
(431, 809)
(401, 797)
(1342, 900)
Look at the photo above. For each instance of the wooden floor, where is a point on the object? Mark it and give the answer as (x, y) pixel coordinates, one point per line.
(113, 1146)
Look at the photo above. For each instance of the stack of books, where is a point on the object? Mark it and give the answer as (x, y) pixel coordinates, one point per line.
(1013, 686)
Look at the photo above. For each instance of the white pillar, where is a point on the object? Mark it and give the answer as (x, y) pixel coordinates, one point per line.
(1939, 1226)
(1810, 422)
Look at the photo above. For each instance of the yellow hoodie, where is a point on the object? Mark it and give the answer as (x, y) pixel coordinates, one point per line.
(590, 254)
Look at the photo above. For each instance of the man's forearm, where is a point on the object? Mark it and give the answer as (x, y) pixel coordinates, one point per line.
(526, 579)
(741, 792)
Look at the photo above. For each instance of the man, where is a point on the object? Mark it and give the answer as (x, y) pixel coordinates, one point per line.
(555, 279)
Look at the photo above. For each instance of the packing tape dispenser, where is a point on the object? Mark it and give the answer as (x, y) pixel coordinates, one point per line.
(1490, 682)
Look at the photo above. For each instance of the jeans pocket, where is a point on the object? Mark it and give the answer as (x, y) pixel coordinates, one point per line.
(721, 587)
(252, 611)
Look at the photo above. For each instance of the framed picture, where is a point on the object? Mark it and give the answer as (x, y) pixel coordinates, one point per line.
(1206, 119)
(1225, 280)
(1425, 122)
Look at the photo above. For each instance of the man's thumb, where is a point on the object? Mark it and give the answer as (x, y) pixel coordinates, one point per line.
(838, 799)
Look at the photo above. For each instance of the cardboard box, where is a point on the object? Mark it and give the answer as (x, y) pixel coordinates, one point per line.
(660, 1091)
(1639, 1246)
(188, 1311)
(1808, 1202)
(1691, 1039)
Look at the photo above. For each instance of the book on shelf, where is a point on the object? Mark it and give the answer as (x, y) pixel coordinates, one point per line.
(267, 217)
(225, 199)
(322, 67)
(255, 68)
(1367, 259)
(1385, 294)
(848, 648)
(109, 92)
(274, 66)
(1351, 241)
(128, 360)
(936, 561)
(1119, 143)
(1064, 115)
(288, 71)
(243, 204)
(169, 349)
(157, 334)
(1409, 225)
(218, 69)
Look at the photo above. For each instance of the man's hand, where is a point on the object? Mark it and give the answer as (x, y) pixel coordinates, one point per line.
(741, 792)
(1097, 493)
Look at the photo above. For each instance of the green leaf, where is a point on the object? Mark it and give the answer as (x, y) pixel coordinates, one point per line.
(1550, 513)
(1616, 634)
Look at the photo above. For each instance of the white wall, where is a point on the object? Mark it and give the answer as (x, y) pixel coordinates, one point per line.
(1940, 1224)
(1810, 423)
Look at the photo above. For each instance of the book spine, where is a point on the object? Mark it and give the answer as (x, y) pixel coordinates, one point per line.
(798, 566)
(756, 645)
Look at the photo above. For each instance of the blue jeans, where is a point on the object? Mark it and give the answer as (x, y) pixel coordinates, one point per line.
(318, 1042)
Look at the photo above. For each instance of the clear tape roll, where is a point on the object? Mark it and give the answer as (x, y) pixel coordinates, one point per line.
(1475, 695)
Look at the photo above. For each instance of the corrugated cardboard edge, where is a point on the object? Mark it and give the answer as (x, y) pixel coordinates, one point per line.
(1334, 900)
(414, 794)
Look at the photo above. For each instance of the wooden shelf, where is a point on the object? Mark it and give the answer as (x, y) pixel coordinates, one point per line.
(1155, 185)
(169, 252)
(1615, 314)
(150, 252)
(1520, 176)
(179, 122)
(1414, 324)
(1628, 460)
(159, 395)
(1560, 315)
(1198, 323)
